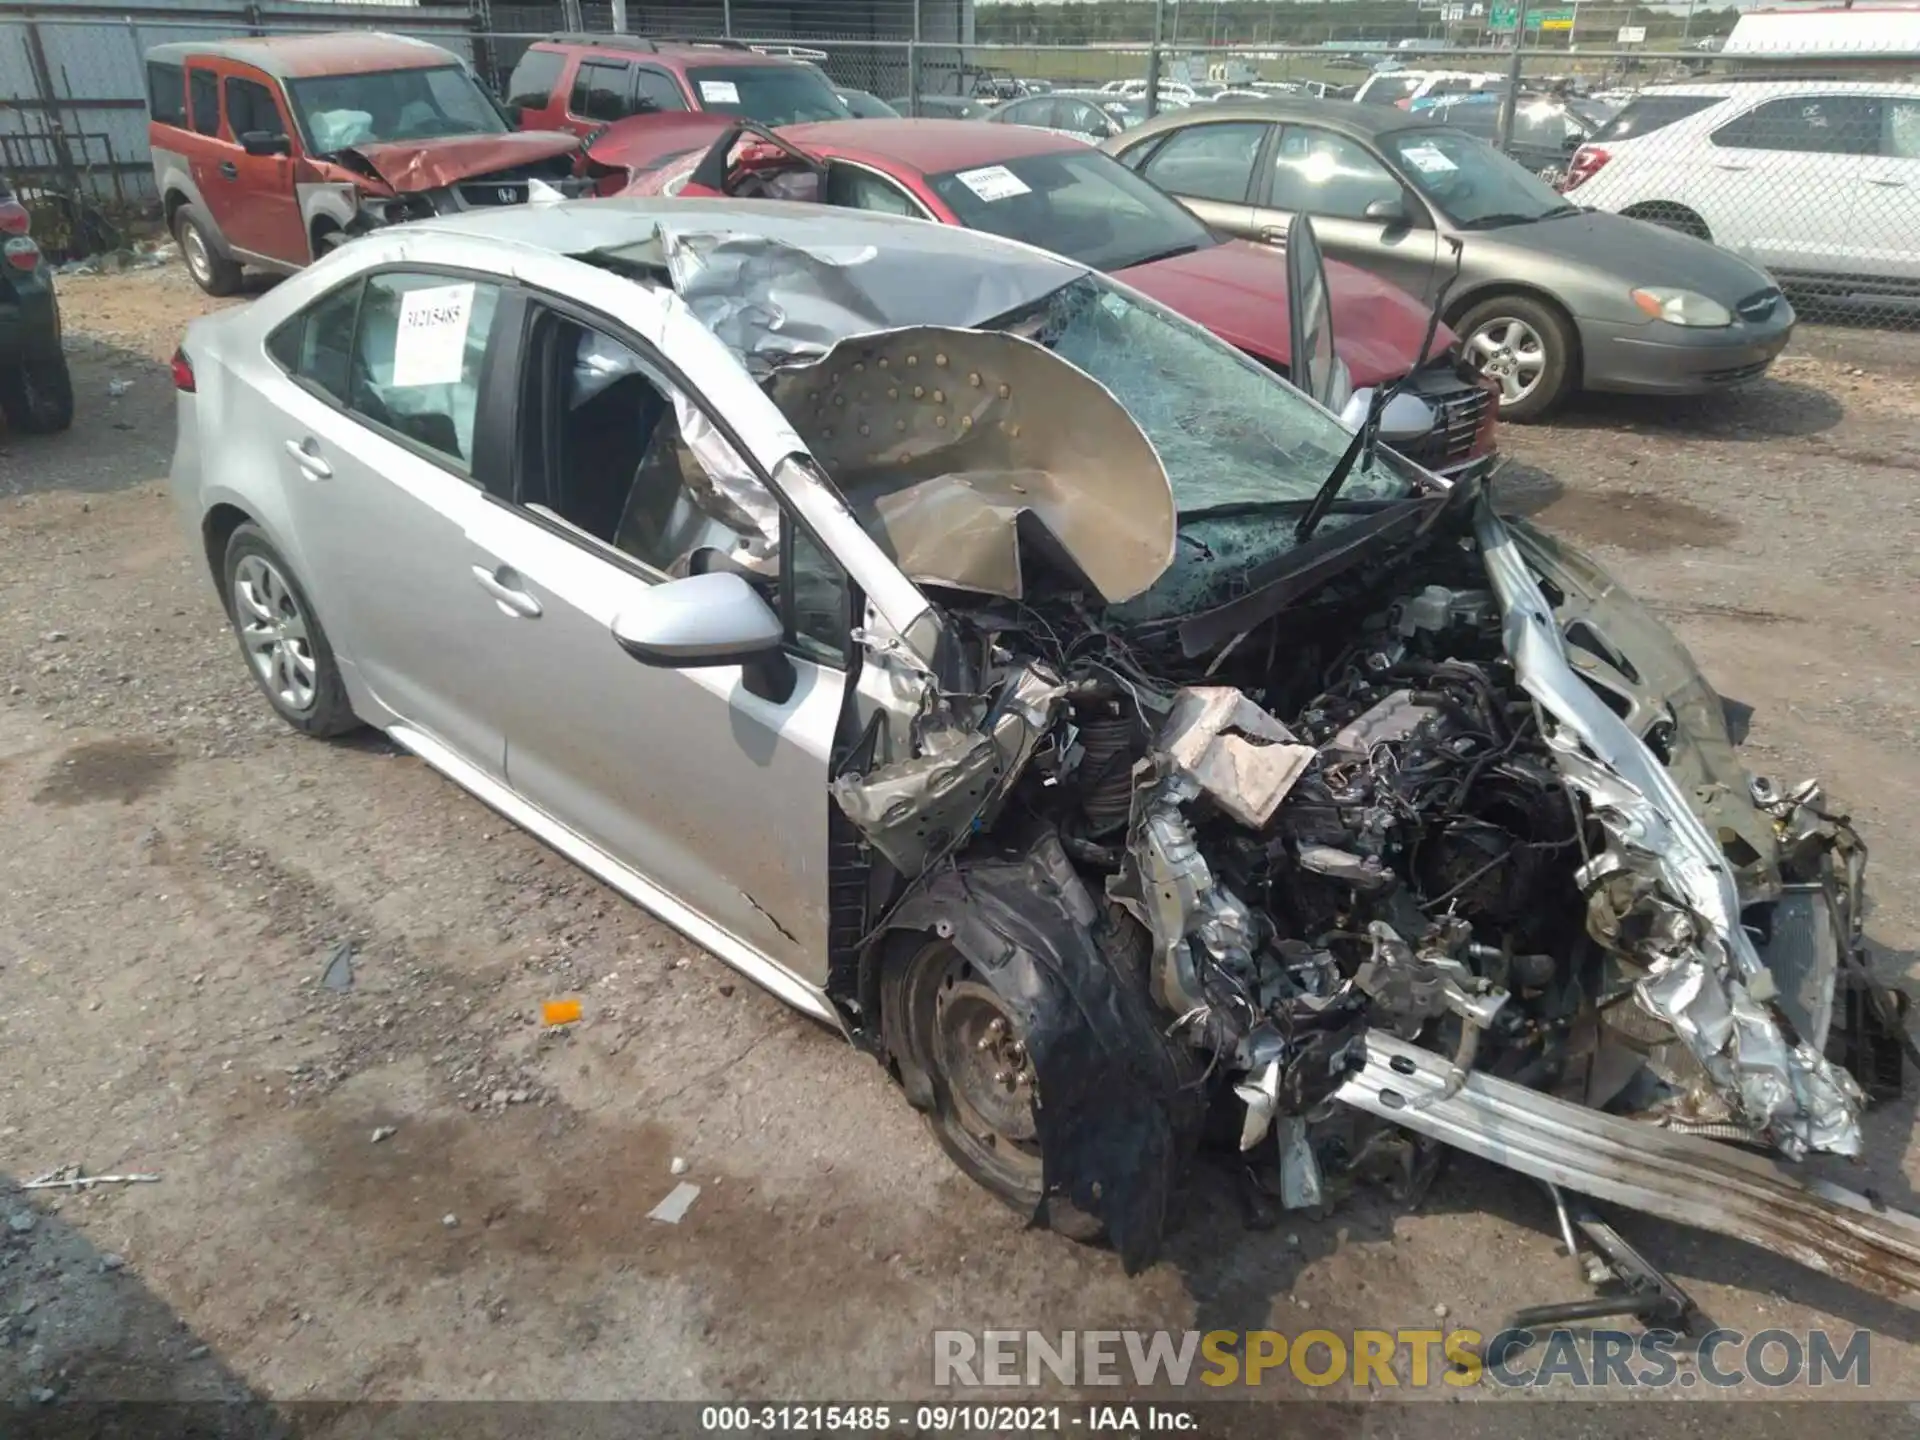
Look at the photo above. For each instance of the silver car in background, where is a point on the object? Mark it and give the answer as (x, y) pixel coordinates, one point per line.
(1076, 715)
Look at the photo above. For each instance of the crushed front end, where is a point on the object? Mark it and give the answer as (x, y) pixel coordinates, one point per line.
(1231, 820)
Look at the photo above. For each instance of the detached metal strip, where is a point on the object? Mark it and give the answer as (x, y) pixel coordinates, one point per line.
(1678, 1177)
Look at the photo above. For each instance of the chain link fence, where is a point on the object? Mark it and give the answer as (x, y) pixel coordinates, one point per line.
(1801, 154)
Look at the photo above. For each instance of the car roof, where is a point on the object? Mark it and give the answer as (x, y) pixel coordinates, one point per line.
(731, 52)
(581, 227)
(1764, 89)
(930, 146)
(1362, 122)
(290, 57)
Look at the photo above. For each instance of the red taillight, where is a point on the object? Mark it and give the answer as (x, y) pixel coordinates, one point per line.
(1585, 164)
(13, 218)
(182, 372)
(21, 252)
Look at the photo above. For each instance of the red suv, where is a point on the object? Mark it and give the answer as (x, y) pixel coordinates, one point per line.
(269, 151)
(584, 82)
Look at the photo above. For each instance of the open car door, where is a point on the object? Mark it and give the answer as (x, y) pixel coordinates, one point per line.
(1315, 368)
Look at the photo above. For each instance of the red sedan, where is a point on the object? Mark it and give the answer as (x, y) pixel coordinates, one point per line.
(1059, 194)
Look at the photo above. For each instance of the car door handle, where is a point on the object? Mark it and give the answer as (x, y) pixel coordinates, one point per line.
(307, 455)
(501, 583)
(1731, 167)
(1274, 235)
(1886, 183)
(229, 169)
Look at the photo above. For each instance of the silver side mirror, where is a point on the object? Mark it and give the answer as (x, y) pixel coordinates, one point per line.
(713, 619)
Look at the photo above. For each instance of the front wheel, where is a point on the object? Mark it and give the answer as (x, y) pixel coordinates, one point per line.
(971, 1047)
(1526, 347)
(36, 395)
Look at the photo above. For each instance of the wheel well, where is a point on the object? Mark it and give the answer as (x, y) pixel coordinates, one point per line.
(171, 207)
(1673, 209)
(1456, 309)
(322, 225)
(217, 529)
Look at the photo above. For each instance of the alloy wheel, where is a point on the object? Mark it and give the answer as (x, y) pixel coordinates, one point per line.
(193, 245)
(274, 631)
(1512, 353)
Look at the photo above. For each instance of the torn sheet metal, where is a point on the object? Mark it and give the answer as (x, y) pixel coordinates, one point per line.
(1682, 1178)
(1242, 759)
(775, 301)
(1703, 975)
(918, 808)
(956, 446)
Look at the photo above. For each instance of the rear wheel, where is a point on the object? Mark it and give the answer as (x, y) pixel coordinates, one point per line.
(211, 271)
(36, 394)
(1524, 345)
(280, 635)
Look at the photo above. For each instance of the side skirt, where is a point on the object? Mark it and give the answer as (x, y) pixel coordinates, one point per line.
(630, 883)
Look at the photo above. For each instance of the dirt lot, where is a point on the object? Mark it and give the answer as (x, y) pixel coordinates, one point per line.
(180, 867)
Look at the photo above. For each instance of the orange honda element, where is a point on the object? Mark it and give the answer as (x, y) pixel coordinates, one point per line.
(271, 151)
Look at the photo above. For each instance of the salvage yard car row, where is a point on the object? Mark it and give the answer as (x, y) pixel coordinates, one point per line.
(1049, 677)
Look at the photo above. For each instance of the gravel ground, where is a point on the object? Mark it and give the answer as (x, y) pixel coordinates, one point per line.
(412, 1189)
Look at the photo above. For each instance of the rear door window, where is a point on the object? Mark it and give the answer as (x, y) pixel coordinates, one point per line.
(1808, 124)
(1650, 113)
(1208, 162)
(204, 88)
(600, 90)
(418, 348)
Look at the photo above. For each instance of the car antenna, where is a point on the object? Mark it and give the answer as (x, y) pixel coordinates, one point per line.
(1368, 435)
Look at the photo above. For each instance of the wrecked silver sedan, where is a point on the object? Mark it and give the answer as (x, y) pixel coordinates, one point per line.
(1011, 674)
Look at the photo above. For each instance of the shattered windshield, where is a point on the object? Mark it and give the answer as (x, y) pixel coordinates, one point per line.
(1231, 435)
(341, 111)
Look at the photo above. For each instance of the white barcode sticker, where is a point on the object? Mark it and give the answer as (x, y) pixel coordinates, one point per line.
(430, 347)
(995, 182)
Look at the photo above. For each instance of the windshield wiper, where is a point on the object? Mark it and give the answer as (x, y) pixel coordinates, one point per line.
(1160, 255)
(1504, 217)
(1368, 434)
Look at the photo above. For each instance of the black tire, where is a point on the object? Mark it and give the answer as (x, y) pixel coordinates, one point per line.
(36, 394)
(924, 980)
(327, 712)
(1671, 216)
(1556, 343)
(211, 269)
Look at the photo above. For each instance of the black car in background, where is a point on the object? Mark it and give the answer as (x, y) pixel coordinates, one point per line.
(1547, 129)
(36, 392)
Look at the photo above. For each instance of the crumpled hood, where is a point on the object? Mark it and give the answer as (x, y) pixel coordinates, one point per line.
(1238, 290)
(641, 144)
(412, 165)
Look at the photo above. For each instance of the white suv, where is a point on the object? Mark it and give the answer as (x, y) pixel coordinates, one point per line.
(1818, 181)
